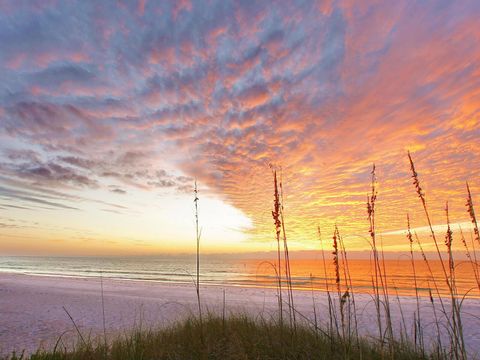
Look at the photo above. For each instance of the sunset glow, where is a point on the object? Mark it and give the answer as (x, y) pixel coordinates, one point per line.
(110, 110)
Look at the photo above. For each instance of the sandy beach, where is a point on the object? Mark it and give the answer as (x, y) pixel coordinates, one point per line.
(32, 314)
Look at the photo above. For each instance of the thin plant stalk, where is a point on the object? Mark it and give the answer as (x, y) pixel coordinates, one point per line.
(223, 311)
(386, 298)
(352, 293)
(418, 333)
(278, 229)
(471, 212)
(455, 309)
(473, 262)
(288, 272)
(346, 293)
(456, 318)
(336, 264)
(404, 333)
(314, 306)
(421, 195)
(103, 316)
(380, 280)
(437, 324)
(198, 235)
(331, 313)
(76, 327)
(444, 311)
(371, 199)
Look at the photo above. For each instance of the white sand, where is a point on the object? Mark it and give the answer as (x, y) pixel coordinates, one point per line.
(32, 315)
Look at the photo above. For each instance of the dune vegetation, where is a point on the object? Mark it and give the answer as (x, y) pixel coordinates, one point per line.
(234, 337)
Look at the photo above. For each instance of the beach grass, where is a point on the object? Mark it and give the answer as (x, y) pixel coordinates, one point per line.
(233, 337)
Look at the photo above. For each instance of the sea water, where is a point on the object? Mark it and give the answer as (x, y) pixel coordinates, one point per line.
(307, 274)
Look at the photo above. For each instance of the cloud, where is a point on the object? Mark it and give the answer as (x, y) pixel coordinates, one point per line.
(21, 155)
(60, 74)
(117, 190)
(28, 197)
(55, 174)
(439, 228)
(138, 95)
(78, 162)
(144, 178)
(30, 194)
(28, 166)
(254, 96)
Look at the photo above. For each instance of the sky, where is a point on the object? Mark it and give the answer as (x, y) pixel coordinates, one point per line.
(110, 110)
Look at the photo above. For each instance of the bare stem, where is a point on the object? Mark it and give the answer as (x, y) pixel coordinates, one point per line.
(197, 230)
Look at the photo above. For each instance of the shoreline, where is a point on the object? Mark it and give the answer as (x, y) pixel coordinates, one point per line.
(32, 315)
(226, 285)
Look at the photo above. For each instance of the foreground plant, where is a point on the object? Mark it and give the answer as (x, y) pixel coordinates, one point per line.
(278, 229)
(236, 337)
(197, 232)
(454, 320)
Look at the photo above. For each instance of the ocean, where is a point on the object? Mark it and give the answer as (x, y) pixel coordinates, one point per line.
(307, 274)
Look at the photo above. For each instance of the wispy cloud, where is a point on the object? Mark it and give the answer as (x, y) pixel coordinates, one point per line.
(425, 230)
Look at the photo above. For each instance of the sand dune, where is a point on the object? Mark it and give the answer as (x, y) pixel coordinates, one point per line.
(32, 314)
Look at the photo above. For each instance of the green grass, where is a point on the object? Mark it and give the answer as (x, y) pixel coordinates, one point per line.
(238, 337)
